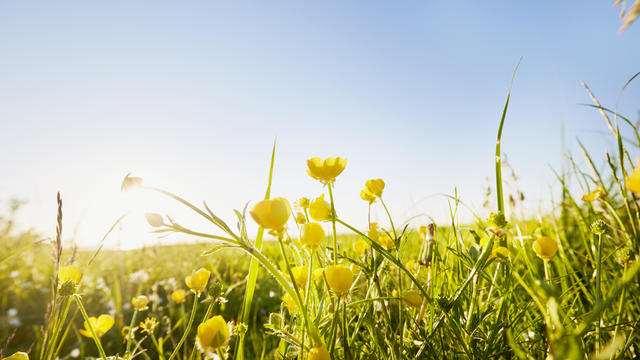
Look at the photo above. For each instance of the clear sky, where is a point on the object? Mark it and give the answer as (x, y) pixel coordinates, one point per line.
(191, 94)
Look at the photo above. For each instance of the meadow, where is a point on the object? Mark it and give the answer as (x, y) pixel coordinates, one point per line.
(308, 285)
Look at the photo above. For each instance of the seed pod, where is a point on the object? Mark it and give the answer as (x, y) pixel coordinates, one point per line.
(67, 288)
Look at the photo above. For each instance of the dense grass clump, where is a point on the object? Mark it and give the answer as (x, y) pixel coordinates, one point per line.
(308, 285)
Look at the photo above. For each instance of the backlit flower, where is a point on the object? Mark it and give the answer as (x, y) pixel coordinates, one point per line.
(213, 333)
(367, 196)
(594, 195)
(271, 214)
(312, 235)
(326, 171)
(373, 232)
(178, 296)
(148, 325)
(320, 209)
(101, 325)
(340, 278)
(69, 272)
(303, 202)
(319, 353)
(289, 303)
(140, 302)
(360, 246)
(500, 253)
(545, 247)
(375, 186)
(300, 218)
(386, 240)
(413, 298)
(412, 265)
(317, 273)
(422, 231)
(198, 280)
(633, 181)
(300, 275)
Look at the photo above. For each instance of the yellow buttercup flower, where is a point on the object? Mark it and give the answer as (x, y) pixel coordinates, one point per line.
(375, 187)
(317, 273)
(213, 333)
(271, 214)
(413, 298)
(300, 275)
(355, 269)
(483, 241)
(545, 247)
(300, 218)
(386, 241)
(340, 278)
(412, 265)
(633, 181)
(303, 202)
(422, 231)
(373, 232)
(319, 353)
(148, 325)
(289, 303)
(140, 302)
(360, 246)
(69, 272)
(367, 196)
(198, 280)
(326, 171)
(312, 235)
(594, 195)
(101, 325)
(500, 253)
(20, 355)
(320, 209)
(178, 296)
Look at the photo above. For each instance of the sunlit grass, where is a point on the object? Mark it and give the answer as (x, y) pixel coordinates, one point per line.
(309, 285)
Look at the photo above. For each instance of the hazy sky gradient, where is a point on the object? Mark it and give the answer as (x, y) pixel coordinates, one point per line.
(190, 95)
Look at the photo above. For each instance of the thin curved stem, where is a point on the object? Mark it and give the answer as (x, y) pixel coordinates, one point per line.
(333, 222)
(91, 329)
(186, 331)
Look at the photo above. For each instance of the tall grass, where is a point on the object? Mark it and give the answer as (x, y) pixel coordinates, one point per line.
(494, 288)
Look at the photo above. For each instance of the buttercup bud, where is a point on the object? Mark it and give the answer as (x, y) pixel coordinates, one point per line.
(154, 220)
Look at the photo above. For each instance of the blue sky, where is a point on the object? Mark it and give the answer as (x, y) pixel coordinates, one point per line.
(190, 96)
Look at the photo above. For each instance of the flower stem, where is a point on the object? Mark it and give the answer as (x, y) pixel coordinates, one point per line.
(186, 331)
(131, 335)
(333, 222)
(598, 292)
(393, 228)
(93, 331)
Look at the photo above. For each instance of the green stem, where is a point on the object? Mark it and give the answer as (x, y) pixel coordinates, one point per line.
(186, 332)
(345, 331)
(393, 228)
(158, 348)
(333, 223)
(598, 292)
(91, 329)
(131, 335)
